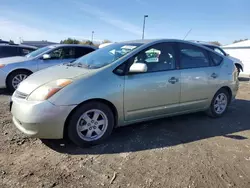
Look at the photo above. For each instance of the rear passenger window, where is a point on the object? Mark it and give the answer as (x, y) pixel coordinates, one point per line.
(216, 59)
(8, 51)
(193, 57)
(1, 55)
(81, 51)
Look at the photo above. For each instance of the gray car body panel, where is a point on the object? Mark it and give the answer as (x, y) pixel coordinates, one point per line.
(32, 64)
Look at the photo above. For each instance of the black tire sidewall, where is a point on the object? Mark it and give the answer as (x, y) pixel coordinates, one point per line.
(238, 70)
(72, 125)
(10, 78)
(213, 113)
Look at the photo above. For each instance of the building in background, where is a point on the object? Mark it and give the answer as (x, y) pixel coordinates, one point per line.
(38, 44)
(240, 50)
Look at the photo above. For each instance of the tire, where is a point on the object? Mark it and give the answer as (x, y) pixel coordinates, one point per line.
(238, 69)
(213, 111)
(85, 129)
(21, 74)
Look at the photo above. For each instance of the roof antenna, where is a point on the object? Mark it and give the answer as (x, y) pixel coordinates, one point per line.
(187, 33)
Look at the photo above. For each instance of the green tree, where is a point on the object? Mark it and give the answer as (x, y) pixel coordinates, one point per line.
(106, 41)
(87, 42)
(70, 41)
(215, 43)
(239, 40)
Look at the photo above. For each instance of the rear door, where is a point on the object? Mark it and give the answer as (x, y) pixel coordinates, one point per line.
(157, 91)
(58, 56)
(199, 77)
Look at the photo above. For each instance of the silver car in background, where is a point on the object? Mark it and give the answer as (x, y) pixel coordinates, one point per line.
(13, 70)
(121, 84)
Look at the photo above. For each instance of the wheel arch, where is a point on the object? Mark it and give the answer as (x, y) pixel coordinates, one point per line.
(16, 70)
(104, 101)
(239, 66)
(229, 92)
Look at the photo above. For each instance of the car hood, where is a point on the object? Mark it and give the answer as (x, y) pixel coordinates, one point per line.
(50, 74)
(15, 59)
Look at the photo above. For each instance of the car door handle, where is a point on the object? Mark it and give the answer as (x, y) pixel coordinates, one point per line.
(173, 80)
(214, 75)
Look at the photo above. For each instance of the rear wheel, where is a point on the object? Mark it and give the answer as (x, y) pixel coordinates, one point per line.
(90, 124)
(15, 78)
(219, 104)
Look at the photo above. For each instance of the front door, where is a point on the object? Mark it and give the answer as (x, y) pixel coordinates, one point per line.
(157, 91)
(58, 56)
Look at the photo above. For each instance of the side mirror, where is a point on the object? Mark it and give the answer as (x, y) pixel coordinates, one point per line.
(46, 56)
(138, 68)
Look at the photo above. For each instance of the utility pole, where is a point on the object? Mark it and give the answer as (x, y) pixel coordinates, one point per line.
(92, 37)
(143, 29)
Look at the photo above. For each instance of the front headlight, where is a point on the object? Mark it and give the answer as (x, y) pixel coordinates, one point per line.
(2, 65)
(46, 91)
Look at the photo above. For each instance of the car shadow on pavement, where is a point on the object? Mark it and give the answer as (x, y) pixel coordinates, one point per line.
(244, 79)
(166, 132)
(5, 92)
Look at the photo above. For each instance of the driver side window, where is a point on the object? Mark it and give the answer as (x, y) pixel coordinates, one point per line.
(62, 53)
(159, 57)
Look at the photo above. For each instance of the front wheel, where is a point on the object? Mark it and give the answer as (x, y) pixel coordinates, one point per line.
(219, 104)
(90, 124)
(15, 78)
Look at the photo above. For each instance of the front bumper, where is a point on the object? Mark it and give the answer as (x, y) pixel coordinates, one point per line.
(39, 119)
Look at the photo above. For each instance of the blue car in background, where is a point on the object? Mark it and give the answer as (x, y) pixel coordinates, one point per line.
(13, 70)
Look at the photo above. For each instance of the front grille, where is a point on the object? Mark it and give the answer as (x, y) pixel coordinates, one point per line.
(20, 95)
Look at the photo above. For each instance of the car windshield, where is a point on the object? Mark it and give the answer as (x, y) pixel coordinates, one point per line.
(104, 56)
(39, 51)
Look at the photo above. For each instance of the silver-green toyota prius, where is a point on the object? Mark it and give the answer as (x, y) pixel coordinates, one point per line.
(121, 84)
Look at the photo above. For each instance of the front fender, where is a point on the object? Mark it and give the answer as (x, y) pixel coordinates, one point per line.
(107, 86)
(31, 66)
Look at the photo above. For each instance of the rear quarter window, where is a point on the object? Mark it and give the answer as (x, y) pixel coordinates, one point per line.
(216, 59)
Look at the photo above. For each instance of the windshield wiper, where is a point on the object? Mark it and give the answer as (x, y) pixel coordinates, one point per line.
(68, 64)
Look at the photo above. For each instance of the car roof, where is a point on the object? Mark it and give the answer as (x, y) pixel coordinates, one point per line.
(152, 41)
(205, 43)
(162, 40)
(147, 41)
(18, 45)
(73, 45)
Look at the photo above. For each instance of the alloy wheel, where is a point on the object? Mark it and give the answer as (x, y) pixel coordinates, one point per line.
(92, 125)
(18, 79)
(220, 103)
